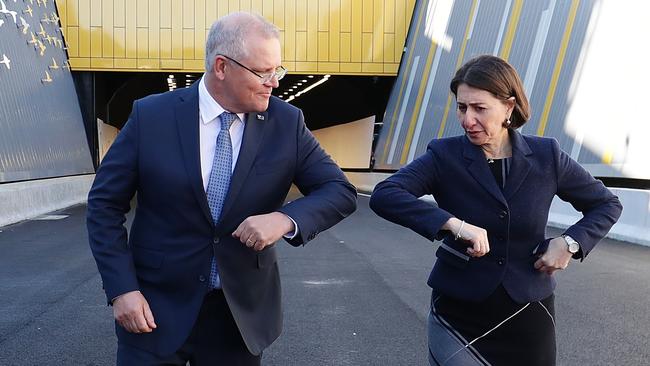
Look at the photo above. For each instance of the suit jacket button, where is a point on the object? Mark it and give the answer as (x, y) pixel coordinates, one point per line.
(501, 261)
(215, 240)
(202, 278)
(503, 214)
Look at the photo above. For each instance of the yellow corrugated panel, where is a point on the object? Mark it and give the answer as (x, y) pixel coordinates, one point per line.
(329, 67)
(366, 46)
(301, 46)
(154, 23)
(368, 15)
(351, 67)
(188, 13)
(334, 30)
(389, 44)
(141, 13)
(119, 12)
(126, 63)
(119, 43)
(80, 63)
(72, 38)
(95, 13)
(345, 47)
(289, 32)
(107, 31)
(301, 15)
(143, 43)
(131, 31)
(389, 16)
(103, 63)
(71, 9)
(323, 47)
(306, 67)
(96, 42)
(199, 33)
(323, 15)
(312, 30)
(318, 36)
(171, 64)
(346, 15)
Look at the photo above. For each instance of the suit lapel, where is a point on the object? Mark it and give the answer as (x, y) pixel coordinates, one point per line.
(253, 134)
(187, 122)
(520, 165)
(478, 168)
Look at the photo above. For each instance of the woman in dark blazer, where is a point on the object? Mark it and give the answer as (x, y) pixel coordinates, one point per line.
(492, 298)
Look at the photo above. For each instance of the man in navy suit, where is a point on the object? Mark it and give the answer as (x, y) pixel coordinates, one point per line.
(197, 277)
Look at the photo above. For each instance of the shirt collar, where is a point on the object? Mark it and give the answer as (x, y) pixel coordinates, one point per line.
(208, 107)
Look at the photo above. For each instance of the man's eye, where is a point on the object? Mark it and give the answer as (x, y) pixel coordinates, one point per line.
(462, 108)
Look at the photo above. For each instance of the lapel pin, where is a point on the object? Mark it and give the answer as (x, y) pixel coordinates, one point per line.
(260, 117)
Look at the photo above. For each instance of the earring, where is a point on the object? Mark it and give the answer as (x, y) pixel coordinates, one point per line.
(508, 122)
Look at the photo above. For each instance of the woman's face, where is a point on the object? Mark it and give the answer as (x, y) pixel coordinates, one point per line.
(482, 115)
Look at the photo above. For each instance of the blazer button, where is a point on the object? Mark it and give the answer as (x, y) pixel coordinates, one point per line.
(503, 215)
(501, 261)
(202, 278)
(215, 240)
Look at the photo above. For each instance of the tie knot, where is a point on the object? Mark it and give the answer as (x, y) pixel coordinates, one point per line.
(227, 120)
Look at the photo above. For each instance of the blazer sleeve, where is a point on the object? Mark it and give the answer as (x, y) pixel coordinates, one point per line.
(599, 206)
(328, 197)
(108, 202)
(397, 198)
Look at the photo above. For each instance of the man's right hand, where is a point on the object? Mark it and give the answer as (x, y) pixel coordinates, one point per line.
(132, 312)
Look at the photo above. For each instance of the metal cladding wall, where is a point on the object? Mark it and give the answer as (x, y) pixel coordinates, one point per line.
(41, 128)
(359, 37)
(544, 40)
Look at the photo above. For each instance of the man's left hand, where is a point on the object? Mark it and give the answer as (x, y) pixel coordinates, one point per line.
(260, 231)
(556, 257)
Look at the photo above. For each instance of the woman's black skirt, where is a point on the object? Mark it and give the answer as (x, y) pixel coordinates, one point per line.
(497, 331)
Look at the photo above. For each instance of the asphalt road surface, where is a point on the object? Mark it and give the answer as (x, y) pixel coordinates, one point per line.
(356, 295)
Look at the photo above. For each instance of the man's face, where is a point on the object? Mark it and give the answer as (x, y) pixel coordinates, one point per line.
(246, 91)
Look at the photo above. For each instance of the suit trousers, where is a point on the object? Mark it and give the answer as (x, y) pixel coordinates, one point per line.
(215, 340)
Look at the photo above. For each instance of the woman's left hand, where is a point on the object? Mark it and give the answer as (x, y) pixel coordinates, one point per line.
(556, 257)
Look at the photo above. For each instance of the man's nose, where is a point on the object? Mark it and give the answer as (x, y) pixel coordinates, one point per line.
(273, 82)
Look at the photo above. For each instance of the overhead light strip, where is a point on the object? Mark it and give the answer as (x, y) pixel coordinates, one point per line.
(312, 86)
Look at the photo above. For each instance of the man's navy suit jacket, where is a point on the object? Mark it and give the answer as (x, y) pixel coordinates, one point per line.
(172, 238)
(456, 173)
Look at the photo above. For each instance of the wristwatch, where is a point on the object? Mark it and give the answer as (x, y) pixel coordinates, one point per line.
(572, 245)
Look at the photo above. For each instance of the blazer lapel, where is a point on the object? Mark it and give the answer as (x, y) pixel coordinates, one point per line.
(520, 165)
(478, 168)
(253, 134)
(187, 122)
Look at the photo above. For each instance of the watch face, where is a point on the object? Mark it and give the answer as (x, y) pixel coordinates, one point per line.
(573, 245)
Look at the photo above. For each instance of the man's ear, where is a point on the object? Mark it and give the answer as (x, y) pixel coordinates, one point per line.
(219, 68)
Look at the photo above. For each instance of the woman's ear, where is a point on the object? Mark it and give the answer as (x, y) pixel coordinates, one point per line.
(511, 102)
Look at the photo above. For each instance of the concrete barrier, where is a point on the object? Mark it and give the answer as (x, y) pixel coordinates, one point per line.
(633, 226)
(25, 200)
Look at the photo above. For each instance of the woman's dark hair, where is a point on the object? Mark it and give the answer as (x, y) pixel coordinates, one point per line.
(497, 76)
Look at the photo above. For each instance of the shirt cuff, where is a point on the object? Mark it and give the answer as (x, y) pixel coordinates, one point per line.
(294, 233)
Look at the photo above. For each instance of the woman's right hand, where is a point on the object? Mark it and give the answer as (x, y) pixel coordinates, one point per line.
(475, 236)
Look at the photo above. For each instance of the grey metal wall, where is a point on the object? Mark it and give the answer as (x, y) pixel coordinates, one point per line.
(41, 129)
(542, 39)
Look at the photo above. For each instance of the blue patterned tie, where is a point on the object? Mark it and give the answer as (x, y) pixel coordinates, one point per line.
(220, 180)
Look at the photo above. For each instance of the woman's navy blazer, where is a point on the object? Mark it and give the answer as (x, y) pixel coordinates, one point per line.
(456, 173)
